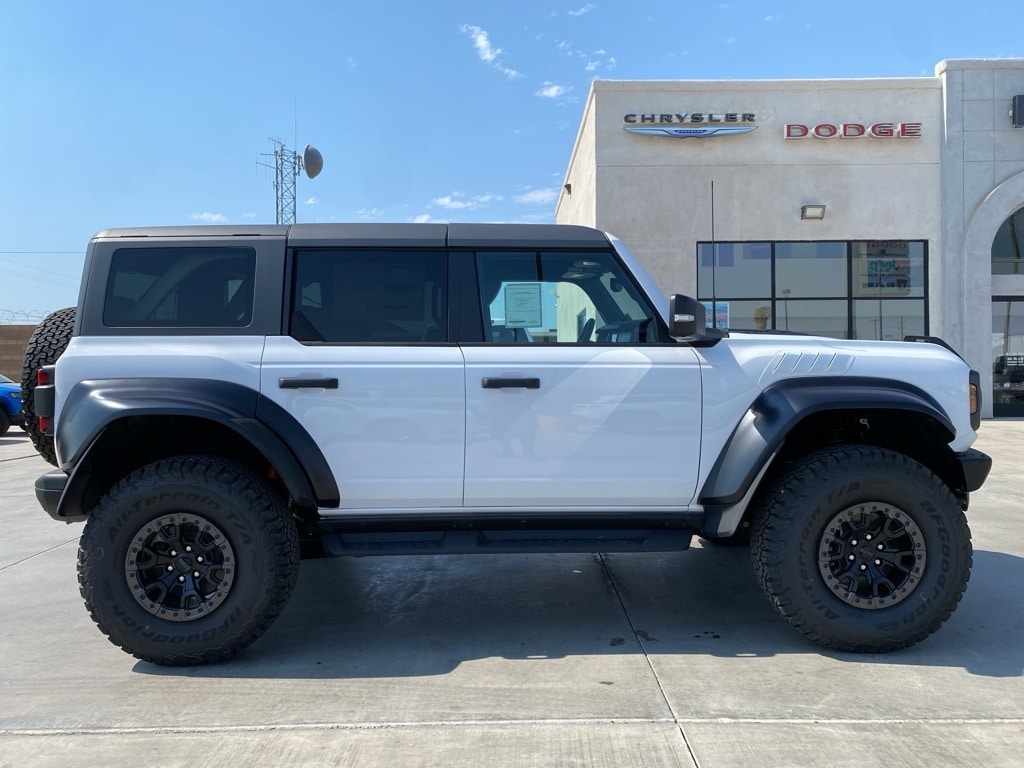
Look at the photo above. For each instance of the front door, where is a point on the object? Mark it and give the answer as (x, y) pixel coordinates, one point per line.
(574, 399)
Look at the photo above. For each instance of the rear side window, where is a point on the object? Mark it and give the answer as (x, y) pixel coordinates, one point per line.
(369, 297)
(187, 287)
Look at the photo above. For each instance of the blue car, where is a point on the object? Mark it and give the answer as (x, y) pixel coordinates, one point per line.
(10, 405)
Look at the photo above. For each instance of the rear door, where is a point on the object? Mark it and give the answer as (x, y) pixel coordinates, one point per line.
(368, 371)
(574, 396)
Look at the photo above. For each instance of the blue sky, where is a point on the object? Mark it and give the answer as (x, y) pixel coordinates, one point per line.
(137, 113)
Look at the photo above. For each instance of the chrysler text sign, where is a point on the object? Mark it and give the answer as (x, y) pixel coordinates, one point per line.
(853, 131)
(683, 125)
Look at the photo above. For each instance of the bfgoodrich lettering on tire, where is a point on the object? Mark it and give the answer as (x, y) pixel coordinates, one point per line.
(188, 560)
(862, 549)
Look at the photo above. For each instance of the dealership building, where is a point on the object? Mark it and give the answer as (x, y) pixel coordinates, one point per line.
(860, 209)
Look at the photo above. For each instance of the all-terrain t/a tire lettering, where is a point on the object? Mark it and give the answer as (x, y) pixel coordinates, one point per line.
(188, 560)
(47, 342)
(862, 549)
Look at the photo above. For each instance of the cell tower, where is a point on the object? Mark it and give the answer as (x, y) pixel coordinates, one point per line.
(286, 166)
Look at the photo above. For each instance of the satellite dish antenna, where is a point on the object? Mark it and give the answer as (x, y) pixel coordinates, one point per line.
(312, 161)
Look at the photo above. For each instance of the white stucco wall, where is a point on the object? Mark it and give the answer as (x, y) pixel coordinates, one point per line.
(952, 187)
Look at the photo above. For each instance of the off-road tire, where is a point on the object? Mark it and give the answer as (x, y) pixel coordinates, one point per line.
(5, 422)
(814, 520)
(47, 342)
(229, 509)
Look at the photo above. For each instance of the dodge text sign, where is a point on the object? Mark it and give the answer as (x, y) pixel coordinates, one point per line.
(854, 130)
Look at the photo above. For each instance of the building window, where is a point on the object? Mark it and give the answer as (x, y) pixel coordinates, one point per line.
(1007, 356)
(1008, 246)
(847, 290)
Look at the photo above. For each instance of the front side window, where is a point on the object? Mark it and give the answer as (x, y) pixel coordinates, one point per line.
(369, 296)
(186, 287)
(556, 297)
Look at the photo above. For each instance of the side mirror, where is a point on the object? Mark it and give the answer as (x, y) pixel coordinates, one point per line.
(687, 321)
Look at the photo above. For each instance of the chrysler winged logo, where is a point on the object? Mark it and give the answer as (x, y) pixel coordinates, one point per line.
(685, 133)
(689, 125)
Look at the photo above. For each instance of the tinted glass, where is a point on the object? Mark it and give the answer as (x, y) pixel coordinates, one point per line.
(810, 269)
(734, 270)
(888, 320)
(546, 298)
(1008, 357)
(180, 287)
(376, 297)
(1008, 246)
(888, 268)
(822, 318)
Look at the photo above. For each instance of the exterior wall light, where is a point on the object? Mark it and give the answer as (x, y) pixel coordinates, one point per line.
(816, 212)
(567, 188)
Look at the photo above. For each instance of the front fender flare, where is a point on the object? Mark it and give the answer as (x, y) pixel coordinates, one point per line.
(763, 429)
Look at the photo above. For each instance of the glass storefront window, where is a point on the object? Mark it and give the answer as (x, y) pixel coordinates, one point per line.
(871, 289)
(887, 319)
(810, 269)
(822, 318)
(1008, 246)
(888, 268)
(1008, 357)
(734, 270)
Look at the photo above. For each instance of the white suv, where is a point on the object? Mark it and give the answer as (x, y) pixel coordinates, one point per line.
(229, 398)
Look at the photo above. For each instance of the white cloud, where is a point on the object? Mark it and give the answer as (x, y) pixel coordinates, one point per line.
(592, 66)
(584, 10)
(312, 200)
(487, 52)
(209, 218)
(365, 214)
(482, 43)
(458, 201)
(552, 90)
(538, 196)
(249, 214)
(423, 218)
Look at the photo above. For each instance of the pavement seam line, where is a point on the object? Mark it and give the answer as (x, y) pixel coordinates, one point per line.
(647, 658)
(18, 458)
(370, 726)
(38, 554)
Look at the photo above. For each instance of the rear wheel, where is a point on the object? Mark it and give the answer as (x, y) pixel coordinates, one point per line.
(188, 560)
(47, 342)
(862, 549)
(5, 422)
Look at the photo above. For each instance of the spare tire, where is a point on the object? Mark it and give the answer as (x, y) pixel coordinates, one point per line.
(47, 343)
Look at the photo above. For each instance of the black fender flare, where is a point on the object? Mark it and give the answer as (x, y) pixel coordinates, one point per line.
(92, 406)
(762, 430)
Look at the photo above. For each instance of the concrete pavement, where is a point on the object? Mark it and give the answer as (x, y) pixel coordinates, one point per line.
(528, 660)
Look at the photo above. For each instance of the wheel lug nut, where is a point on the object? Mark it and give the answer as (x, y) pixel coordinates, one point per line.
(868, 537)
(171, 567)
(863, 567)
(878, 562)
(199, 559)
(188, 549)
(851, 558)
(182, 578)
(174, 553)
(881, 546)
(853, 543)
(196, 574)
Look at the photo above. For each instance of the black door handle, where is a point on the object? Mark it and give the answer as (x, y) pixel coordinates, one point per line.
(492, 383)
(310, 383)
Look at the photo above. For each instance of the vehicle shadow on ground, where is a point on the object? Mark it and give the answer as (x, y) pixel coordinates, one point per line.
(422, 616)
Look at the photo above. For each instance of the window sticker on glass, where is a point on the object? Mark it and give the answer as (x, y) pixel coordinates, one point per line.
(523, 305)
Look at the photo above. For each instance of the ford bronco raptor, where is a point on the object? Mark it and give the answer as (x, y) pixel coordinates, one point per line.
(229, 399)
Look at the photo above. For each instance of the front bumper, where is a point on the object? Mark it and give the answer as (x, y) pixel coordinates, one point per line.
(976, 466)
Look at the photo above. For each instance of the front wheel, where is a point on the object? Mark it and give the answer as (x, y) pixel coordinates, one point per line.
(862, 549)
(188, 560)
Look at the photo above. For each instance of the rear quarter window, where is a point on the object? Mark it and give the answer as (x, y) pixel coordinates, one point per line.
(185, 287)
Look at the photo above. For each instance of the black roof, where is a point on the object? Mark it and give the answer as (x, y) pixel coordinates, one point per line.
(394, 235)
